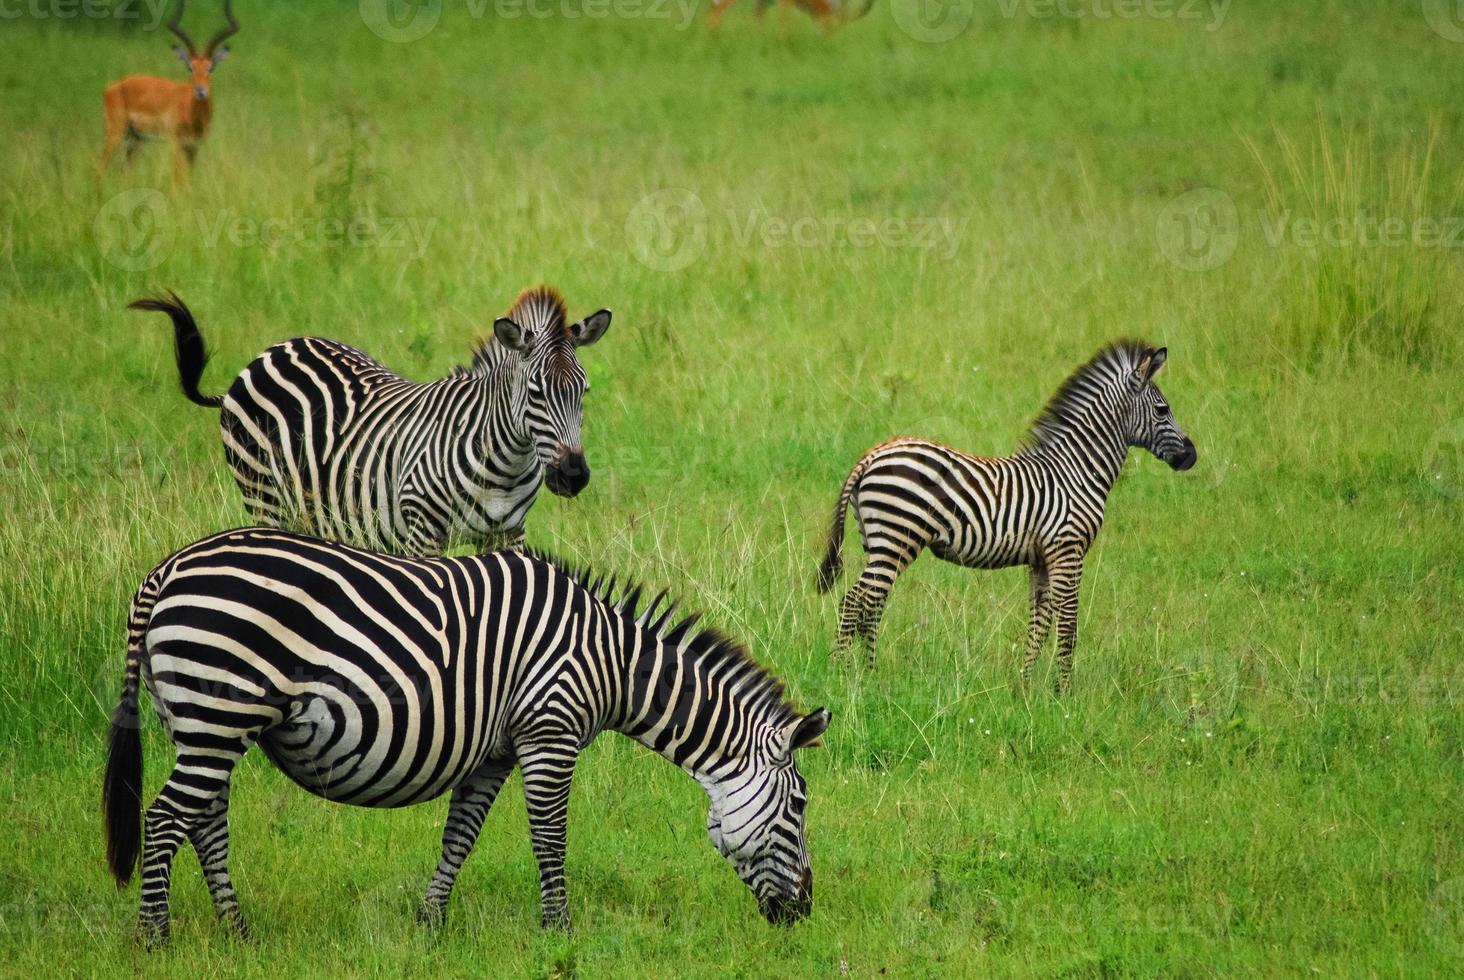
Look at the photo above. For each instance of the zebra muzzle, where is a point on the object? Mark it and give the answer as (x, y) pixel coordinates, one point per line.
(567, 475)
(1186, 457)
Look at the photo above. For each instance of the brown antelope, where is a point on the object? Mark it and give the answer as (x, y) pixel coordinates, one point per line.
(142, 107)
(830, 14)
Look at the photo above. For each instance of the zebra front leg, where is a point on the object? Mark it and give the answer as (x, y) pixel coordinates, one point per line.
(471, 801)
(547, 769)
(1064, 600)
(197, 780)
(1040, 622)
(210, 838)
(511, 539)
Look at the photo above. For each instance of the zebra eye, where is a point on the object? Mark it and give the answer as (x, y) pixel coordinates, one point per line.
(1161, 410)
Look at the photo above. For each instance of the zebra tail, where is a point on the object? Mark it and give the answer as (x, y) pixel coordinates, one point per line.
(833, 560)
(188, 347)
(122, 785)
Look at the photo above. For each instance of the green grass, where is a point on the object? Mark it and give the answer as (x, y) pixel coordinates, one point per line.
(1259, 769)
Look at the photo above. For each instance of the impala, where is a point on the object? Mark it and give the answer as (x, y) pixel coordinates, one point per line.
(142, 107)
(830, 14)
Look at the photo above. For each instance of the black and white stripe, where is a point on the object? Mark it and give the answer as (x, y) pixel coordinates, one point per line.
(324, 440)
(383, 681)
(1041, 506)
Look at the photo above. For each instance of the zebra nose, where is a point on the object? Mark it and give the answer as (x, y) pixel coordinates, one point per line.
(1187, 456)
(568, 474)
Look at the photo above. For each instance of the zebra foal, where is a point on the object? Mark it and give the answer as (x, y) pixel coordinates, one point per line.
(382, 681)
(1041, 507)
(324, 440)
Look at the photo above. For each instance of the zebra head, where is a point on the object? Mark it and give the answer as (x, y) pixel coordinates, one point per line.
(554, 382)
(1149, 421)
(756, 820)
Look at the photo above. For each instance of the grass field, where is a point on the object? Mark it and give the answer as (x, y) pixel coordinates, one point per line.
(810, 244)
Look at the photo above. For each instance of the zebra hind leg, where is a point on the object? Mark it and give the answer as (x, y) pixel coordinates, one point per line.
(471, 801)
(186, 799)
(851, 615)
(210, 838)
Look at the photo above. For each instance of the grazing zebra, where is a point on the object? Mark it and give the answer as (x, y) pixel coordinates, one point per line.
(384, 681)
(1040, 507)
(324, 440)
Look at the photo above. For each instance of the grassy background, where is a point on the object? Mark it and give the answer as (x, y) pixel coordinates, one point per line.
(1259, 769)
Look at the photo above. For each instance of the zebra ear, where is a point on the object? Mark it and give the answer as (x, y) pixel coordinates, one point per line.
(510, 334)
(590, 329)
(1151, 362)
(805, 732)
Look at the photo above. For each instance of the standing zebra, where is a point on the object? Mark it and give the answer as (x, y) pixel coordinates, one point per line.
(383, 681)
(324, 440)
(1041, 507)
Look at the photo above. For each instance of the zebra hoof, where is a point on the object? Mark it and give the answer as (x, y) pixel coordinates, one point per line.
(557, 921)
(431, 916)
(153, 934)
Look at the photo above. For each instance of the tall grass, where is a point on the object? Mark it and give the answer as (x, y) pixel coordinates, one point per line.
(1372, 241)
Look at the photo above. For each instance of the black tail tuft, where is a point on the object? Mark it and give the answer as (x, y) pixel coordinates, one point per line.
(833, 561)
(188, 348)
(122, 791)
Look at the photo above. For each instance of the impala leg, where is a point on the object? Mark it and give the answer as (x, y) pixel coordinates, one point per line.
(182, 163)
(470, 804)
(116, 127)
(547, 769)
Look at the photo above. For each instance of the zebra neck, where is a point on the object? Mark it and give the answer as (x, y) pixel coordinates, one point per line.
(1090, 456)
(507, 440)
(700, 705)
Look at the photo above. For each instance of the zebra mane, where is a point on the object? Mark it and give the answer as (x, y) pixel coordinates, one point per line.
(1103, 370)
(708, 645)
(540, 310)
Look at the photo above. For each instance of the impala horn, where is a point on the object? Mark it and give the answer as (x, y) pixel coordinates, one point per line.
(176, 26)
(232, 29)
